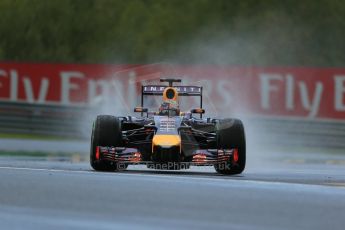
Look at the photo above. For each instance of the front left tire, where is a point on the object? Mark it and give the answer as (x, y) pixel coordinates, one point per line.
(230, 135)
(106, 131)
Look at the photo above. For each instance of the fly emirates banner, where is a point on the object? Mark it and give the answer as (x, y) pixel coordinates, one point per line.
(316, 93)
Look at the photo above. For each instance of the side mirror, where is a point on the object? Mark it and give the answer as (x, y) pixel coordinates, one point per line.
(140, 110)
(198, 111)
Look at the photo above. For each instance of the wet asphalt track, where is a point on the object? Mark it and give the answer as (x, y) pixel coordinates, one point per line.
(57, 193)
(277, 191)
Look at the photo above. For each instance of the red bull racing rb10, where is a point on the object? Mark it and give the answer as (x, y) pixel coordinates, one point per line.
(168, 139)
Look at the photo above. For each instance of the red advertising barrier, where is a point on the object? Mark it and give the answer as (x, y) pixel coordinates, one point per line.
(292, 92)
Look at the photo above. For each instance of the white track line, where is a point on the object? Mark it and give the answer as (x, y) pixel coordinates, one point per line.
(46, 170)
(228, 181)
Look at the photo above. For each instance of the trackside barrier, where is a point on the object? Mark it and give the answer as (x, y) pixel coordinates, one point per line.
(296, 132)
(60, 121)
(75, 122)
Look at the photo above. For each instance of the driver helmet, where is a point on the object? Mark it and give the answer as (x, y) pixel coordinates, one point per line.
(170, 108)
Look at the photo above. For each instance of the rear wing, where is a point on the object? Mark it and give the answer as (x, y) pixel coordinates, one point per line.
(157, 90)
(182, 90)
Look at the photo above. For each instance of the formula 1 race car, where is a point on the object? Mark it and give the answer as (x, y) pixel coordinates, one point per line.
(168, 139)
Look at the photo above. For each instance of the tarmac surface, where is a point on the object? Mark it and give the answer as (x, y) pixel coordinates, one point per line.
(276, 191)
(60, 193)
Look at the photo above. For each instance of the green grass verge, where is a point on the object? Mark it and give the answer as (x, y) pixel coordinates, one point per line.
(33, 154)
(34, 136)
(70, 157)
(295, 150)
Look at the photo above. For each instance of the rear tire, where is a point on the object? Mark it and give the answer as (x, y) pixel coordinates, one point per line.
(230, 135)
(106, 131)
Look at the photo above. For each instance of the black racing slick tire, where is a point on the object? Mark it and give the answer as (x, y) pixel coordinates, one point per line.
(230, 135)
(106, 131)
